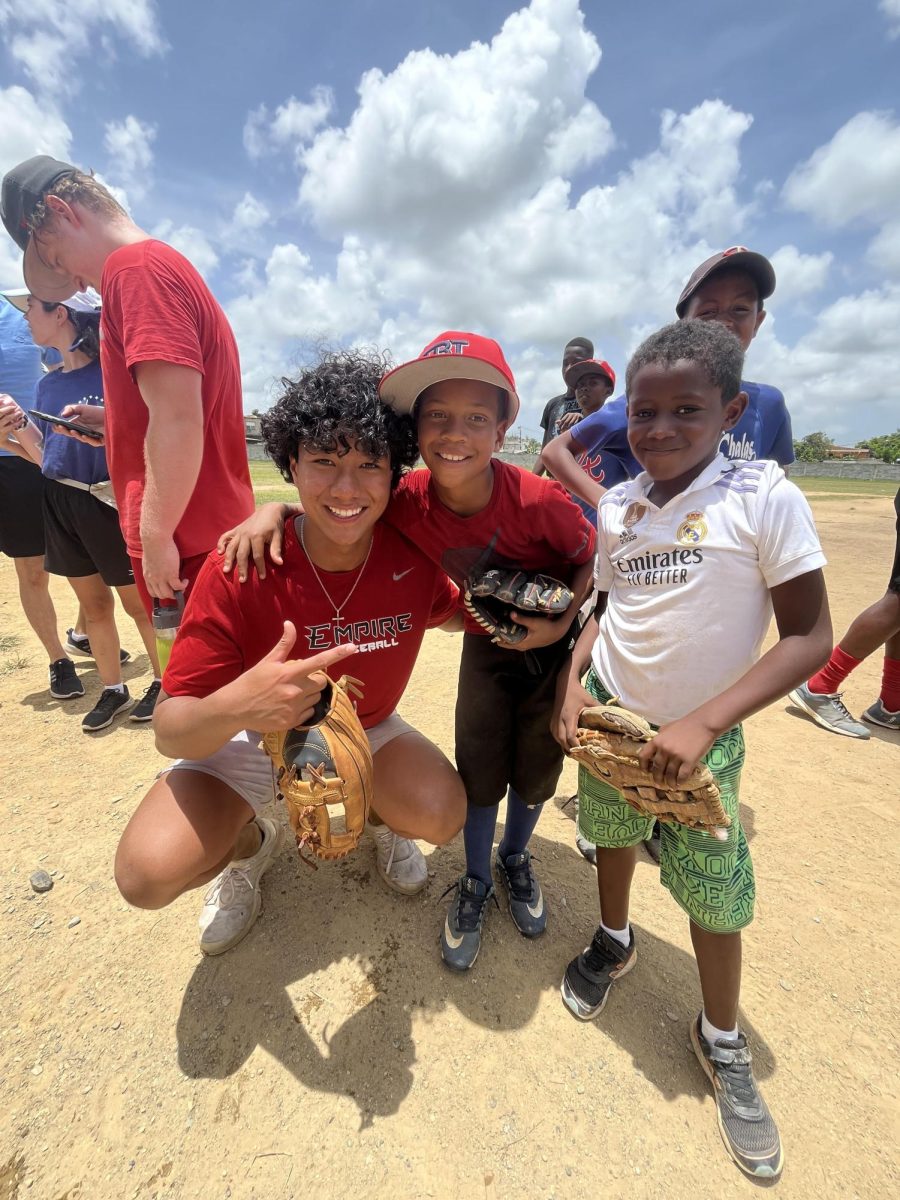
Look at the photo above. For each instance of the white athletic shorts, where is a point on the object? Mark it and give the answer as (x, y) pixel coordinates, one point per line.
(248, 771)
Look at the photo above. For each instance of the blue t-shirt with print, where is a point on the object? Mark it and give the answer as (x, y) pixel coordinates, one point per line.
(604, 452)
(20, 359)
(764, 431)
(64, 457)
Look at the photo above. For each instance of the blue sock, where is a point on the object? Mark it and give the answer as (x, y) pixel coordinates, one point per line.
(478, 835)
(520, 823)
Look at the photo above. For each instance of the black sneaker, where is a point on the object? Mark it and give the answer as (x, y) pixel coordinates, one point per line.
(526, 900)
(589, 976)
(81, 645)
(110, 704)
(461, 935)
(143, 710)
(748, 1130)
(64, 683)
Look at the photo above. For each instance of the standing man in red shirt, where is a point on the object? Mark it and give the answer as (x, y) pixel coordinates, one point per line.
(174, 417)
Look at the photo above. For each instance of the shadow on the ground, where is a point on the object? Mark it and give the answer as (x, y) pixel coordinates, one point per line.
(241, 1001)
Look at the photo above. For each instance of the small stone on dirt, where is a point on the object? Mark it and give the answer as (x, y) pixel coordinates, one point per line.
(41, 881)
(75, 921)
(788, 987)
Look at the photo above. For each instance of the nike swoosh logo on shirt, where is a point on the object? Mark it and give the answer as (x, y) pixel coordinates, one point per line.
(402, 573)
(453, 942)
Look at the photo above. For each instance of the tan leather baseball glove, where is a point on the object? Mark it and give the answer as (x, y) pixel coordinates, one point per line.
(324, 774)
(609, 741)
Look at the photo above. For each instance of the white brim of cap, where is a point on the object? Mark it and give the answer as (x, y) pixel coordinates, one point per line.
(18, 298)
(402, 387)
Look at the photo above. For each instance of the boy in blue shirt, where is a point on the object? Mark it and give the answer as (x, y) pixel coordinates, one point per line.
(730, 288)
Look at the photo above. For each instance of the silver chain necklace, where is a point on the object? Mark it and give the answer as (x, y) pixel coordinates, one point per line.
(338, 609)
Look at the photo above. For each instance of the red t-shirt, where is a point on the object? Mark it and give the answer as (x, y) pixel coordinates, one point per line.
(529, 523)
(229, 626)
(156, 307)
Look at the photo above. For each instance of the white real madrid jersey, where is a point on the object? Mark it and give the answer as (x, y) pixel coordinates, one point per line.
(689, 583)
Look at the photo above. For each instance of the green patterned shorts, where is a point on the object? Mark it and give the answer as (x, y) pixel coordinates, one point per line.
(711, 880)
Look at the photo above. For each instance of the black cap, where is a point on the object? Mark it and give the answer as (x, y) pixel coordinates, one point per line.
(739, 258)
(24, 187)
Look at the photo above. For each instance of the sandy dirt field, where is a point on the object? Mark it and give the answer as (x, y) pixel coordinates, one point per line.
(332, 1055)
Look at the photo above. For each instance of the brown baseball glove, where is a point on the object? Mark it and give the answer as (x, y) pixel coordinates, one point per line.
(324, 774)
(609, 741)
(491, 597)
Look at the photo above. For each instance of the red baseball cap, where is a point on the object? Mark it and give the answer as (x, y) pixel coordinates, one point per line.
(451, 355)
(588, 366)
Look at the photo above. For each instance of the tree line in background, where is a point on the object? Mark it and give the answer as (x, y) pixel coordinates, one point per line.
(816, 447)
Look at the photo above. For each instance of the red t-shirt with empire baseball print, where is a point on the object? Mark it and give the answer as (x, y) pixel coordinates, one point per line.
(229, 626)
(529, 523)
(156, 307)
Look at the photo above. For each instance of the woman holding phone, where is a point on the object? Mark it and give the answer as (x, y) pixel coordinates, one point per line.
(83, 540)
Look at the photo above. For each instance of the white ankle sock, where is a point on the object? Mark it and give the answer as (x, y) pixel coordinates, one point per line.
(116, 687)
(712, 1034)
(622, 936)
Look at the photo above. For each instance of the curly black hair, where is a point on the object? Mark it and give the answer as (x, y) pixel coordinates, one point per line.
(707, 343)
(334, 404)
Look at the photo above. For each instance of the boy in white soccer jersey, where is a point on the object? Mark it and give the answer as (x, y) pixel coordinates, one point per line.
(693, 557)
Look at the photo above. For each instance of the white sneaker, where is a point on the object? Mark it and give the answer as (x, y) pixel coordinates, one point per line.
(400, 862)
(232, 901)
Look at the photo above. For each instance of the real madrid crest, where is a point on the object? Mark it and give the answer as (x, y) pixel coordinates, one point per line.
(692, 530)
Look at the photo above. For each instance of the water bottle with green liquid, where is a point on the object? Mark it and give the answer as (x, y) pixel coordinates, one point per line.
(166, 619)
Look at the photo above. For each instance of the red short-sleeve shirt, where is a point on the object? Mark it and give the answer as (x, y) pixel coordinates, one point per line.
(156, 307)
(529, 523)
(229, 626)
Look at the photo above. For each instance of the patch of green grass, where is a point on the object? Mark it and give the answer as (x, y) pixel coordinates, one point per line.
(822, 488)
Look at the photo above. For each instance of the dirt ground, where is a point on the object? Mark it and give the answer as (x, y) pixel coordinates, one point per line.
(331, 1053)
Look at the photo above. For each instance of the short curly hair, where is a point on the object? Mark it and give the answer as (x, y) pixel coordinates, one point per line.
(334, 404)
(713, 347)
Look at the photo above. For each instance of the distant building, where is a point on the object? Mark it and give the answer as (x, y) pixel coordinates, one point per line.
(854, 452)
(252, 429)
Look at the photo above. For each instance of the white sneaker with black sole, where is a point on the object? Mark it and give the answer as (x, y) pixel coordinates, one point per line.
(107, 708)
(233, 901)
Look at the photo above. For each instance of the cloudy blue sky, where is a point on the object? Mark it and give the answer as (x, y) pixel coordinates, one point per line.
(375, 173)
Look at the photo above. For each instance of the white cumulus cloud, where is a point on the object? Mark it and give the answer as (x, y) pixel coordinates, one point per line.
(129, 144)
(291, 125)
(891, 9)
(445, 140)
(45, 37)
(855, 176)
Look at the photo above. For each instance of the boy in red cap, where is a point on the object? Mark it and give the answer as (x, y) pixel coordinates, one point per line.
(467, 510)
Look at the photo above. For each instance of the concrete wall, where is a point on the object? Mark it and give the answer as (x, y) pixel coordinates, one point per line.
(847, 470)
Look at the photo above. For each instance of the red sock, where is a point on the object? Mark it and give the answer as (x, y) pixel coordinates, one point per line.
(829, 679)
(890, 684)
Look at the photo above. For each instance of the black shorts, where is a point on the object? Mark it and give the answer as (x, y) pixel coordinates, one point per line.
(894, 583)
(21, 519)
(83, 536)
(503, 713)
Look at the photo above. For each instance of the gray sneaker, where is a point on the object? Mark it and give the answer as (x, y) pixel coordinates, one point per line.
(828, 710)
(877, 714)
(745, 1123)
